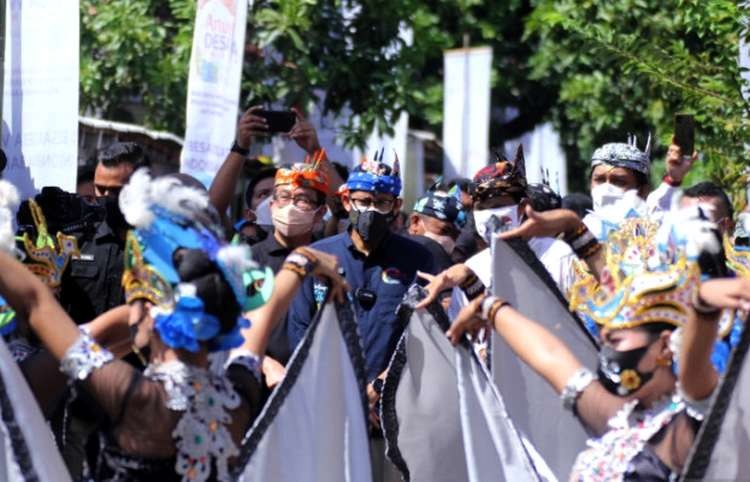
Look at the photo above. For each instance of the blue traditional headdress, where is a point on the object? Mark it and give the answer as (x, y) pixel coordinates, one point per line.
(376, 176)
(168, 216)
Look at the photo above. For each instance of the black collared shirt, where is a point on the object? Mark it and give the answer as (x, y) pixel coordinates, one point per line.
(270, 252)
(92, 284)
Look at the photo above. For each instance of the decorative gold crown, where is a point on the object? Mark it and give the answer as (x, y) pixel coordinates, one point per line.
(635, 289)
(47, 257)
(140, 280)
(738, 258)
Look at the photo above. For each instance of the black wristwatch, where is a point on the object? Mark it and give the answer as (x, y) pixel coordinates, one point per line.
(377, 385)
(239, 149)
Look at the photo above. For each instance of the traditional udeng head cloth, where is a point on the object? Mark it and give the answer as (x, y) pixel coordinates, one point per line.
(376, 176)
(442, 206)
(177, 259)
(620, 154)
(305, 174)
(501, 178)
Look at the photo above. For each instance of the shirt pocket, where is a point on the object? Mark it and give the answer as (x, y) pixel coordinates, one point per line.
(83, 269)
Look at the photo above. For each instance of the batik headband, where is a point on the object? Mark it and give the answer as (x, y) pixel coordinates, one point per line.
(376, 176)
(307, 174)
(628, 156)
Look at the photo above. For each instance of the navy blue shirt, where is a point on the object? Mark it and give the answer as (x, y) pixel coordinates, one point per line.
(387, 273)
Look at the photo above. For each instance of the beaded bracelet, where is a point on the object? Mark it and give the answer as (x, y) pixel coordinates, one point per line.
(490, 306)
(301, 262)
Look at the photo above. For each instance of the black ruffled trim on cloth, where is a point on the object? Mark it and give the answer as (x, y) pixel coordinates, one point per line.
(350, 333)
(523, 251)
(708, 435)
(388, 416)
(21, 452)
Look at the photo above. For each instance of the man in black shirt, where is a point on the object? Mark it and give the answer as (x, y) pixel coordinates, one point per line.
(91, 285)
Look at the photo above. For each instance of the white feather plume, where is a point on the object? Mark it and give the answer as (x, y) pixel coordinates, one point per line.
(238, 258)
(9, 201)
(139, 197)
(689, 229)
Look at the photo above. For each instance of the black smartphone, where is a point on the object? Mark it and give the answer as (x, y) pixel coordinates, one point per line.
(279, 121)
(684, 133)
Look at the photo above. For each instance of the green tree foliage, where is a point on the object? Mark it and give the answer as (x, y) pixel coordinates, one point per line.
(630, 65)
(136, 52)
(597, 68)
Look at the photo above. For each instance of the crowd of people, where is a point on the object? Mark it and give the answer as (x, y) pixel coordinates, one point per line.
(172, 323)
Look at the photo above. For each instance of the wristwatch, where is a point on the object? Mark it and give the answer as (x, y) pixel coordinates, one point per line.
(239, 149)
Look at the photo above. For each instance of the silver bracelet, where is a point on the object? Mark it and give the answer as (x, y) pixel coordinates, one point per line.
(83, 357)
(486, 305)
(582, 378)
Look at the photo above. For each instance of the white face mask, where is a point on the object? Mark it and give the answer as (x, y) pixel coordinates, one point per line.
(507, 217)
(605, 195)
(443, 240)
(743, 226)
(263, 212)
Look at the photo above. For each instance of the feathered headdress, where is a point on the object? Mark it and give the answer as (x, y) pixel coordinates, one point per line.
(168, 216)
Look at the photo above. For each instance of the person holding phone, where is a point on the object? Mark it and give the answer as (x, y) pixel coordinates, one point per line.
(255, 123)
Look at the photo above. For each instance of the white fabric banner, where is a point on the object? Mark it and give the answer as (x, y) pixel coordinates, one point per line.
(313, 428)
(28, 450)
(558, 435)
(213, 86)
(466, 110)
(443, 419)
(40, 98)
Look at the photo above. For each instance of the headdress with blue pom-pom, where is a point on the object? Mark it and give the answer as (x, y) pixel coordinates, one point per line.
(168, 216)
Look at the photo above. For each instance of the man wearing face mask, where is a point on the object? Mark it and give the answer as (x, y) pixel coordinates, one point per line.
(500, 199)
(379, 266)
(91, 285)
(619, 167)
(297, 204)
(435, 224)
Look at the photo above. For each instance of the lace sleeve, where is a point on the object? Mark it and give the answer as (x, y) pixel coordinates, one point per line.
(83, 357)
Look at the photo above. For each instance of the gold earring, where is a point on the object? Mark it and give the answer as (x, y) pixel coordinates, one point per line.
(663, 361)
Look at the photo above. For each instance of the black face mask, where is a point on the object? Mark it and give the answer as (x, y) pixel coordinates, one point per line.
(617, 370)
(115, 219)
(372, 225)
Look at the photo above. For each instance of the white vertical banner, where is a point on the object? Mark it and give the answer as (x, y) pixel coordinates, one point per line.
(40, 96)
(545, 159)
(466, 110)
(213, 86)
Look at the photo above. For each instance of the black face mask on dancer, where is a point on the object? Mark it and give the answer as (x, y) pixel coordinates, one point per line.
(372, 225)
(618, 371)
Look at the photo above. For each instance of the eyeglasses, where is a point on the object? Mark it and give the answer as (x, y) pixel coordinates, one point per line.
(364, 204)
(301, 201)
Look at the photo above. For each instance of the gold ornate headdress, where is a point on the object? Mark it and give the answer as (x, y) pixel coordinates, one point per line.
(47, 257)
(141, 280)
(645, 280)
